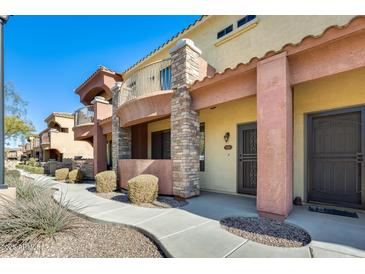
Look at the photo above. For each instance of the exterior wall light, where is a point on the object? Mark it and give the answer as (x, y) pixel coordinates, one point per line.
(226, 136)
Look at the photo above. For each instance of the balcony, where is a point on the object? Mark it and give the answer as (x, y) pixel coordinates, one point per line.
(45, 140)
(146, 94)
(151, 78)
(84, 115)
(36, 143)
(84, 123)
(28, 147)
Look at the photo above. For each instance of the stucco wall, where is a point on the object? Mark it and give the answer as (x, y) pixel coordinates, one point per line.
(340, 91)
(220, 164)
(271, 33)
(65, 143)
(156, 126)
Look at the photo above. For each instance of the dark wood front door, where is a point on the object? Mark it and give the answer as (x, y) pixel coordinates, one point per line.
(247, 159)
(335, 157)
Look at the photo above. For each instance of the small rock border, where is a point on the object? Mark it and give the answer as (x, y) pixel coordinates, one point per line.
(266, 231)
(161, 202)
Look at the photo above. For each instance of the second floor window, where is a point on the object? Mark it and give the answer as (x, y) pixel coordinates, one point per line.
(165, 78)
(245, 20)
(224, 31)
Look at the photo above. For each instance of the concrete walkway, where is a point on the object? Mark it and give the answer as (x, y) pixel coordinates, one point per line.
(194, 230)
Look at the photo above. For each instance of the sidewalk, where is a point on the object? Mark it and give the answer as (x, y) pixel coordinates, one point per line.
(181, 233)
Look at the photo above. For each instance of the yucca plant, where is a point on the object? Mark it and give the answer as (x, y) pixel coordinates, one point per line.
(25, 222)
(33, 216)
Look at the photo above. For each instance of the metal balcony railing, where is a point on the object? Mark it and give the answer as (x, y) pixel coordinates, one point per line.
(28, 147)
(153, 77)
(45, 138)
(36, 142)
(84, 115)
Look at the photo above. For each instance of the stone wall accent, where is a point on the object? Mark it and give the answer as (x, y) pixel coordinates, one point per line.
(184, 120)
(121, 137)
(185, 63)
(86, 166)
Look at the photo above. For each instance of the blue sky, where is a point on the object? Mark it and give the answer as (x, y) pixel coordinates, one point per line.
(47, 57)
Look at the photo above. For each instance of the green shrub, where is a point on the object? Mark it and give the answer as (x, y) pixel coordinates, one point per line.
(62, 173)
(32, 162)
(38, 170)
(106, 181)
(75, 176)
(28, 222)
(143, 189)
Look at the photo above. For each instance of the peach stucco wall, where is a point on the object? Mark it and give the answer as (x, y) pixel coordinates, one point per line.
(160, 168)
(340, 91)
(220, 164)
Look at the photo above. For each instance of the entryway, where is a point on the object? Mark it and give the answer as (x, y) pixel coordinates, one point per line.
(247, 159)
(335, 157)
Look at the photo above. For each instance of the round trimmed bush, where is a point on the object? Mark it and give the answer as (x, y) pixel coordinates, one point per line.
(143, 189)
(106, 181)
(75, 176)
(62, 174)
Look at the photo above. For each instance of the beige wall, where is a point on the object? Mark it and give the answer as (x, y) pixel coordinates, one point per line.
(340, 91)
(271, 33)
(220, 164)
(65, 143)
(156, 126)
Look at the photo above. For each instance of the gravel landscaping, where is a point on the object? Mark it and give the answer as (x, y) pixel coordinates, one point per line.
(161, 202)
(266, 231)
(89, 240)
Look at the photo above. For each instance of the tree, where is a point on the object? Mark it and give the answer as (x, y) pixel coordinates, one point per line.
(15, 122)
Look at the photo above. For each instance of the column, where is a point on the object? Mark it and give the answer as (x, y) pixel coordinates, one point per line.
(274, 137)
(121, 137)
(184, 120)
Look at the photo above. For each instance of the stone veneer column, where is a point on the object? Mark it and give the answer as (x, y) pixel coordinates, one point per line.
(274, 137)
(184, 120)
(121, 137)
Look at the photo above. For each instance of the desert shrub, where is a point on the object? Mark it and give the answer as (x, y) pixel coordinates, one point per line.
(26, 191)
(75, 176)
(62, 173)
(12, 173)
(106, 181)
(32, 162)
(26, 221)
(143, 189)
(38, 170)
(20, 166)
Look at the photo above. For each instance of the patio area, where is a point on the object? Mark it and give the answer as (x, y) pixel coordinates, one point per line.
(194, 230)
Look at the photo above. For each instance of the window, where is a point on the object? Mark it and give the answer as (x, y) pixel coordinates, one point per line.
(245, 20)
(202, 147)
(165, 78)
(161, 144)
(64, 129)
(224, 31)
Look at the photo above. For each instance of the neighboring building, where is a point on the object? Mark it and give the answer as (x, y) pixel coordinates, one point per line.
(272, 106)
(57, 141)
(14, 153)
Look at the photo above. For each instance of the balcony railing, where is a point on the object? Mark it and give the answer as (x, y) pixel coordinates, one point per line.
(45, 138)
(153, 77)
(28, 147)
(84, 115)
(36, 143)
